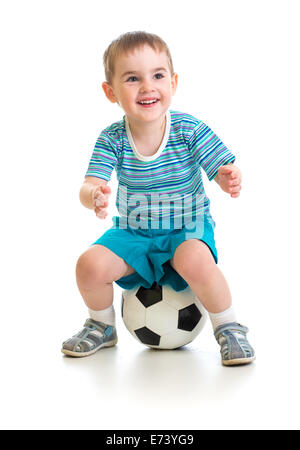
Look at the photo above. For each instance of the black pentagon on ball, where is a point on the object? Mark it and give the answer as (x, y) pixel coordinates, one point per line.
(149, 297)
(147, 336)
(189, 317)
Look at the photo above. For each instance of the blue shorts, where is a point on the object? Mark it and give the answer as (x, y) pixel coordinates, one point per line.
(148, 252)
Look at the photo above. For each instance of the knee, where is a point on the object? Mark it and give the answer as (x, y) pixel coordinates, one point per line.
(196, 266)
(194, 270)
(90, 272)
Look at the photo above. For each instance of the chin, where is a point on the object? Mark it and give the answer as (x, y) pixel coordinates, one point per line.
(155, 114)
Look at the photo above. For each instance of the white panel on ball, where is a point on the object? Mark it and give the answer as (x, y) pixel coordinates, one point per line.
(179, 299)
(134, 313)
(156, 318)
(175, 339)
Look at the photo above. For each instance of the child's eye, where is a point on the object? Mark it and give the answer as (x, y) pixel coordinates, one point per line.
(132, 78)
(158, 76)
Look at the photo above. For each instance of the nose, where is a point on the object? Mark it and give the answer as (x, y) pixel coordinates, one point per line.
(147, 85)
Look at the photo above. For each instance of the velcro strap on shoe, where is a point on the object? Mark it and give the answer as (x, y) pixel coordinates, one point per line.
(232, 326)
(100, 326)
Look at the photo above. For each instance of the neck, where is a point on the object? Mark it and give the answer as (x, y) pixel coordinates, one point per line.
(147, 129)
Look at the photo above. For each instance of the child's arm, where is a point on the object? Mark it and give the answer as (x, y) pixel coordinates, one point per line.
(94, 195)
(229, 178)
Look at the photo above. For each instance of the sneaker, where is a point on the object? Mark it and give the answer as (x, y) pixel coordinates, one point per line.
(91, 338)
(235, 348)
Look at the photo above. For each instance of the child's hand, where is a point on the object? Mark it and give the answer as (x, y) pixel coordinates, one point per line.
(100, 197)
(229, 178)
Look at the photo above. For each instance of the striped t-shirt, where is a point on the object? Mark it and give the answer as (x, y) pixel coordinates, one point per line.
(166, 187)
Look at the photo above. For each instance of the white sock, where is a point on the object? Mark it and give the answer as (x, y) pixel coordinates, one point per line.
(106, 316)
(222, 317)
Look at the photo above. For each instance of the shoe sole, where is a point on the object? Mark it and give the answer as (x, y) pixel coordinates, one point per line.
(238, 361)
(81, 354)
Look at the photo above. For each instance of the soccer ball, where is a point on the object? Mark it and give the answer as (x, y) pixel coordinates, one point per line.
(161, 317)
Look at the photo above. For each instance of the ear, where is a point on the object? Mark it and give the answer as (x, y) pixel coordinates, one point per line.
(109, 92)
(174, 82)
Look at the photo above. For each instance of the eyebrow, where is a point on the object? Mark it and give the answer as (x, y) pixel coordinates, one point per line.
(134, 71)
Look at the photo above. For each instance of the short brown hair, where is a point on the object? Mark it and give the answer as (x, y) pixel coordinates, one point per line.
(128, 42)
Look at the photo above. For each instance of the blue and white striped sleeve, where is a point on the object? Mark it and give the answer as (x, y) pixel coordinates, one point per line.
(104, 157)
(208, 150)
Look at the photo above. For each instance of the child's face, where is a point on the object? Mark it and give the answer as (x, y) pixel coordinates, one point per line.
(143, 75)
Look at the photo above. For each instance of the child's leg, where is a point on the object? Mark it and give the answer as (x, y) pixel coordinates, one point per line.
(195, 263)
(96, 270)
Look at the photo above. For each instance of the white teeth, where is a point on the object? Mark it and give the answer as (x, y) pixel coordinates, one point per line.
(147, 102)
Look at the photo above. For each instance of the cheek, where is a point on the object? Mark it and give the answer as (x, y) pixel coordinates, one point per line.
(127, 101)
(167, 93)
(123, 99)
(129, 96)
(168, 90)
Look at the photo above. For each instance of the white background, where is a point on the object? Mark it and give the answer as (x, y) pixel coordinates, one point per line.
(238, 66)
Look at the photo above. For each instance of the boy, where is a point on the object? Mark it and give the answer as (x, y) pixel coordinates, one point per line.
(157, 154)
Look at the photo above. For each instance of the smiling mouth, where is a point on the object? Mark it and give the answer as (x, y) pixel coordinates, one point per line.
(146, 103)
